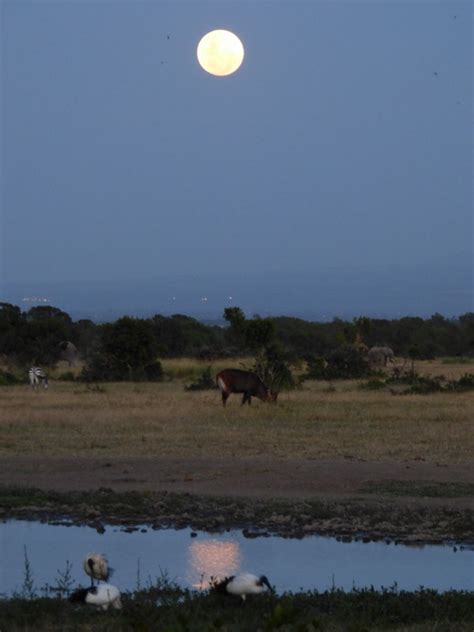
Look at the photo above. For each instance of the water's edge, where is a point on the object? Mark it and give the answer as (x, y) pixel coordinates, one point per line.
(348, 520)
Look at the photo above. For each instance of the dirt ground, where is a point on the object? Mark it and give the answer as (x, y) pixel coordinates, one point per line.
(239, 477)
(414, 502)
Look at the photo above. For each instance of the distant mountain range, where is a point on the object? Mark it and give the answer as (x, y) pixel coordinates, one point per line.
(389, 292)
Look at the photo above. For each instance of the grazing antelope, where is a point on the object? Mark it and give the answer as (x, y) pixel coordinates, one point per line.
(37, 376)
(101, 596)
(237, 381)
(97, 567)
(243, 584)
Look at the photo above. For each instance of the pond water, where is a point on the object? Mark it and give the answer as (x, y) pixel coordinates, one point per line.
(290, 564)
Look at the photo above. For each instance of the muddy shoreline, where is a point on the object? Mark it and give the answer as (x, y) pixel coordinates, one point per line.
(409, 502)
(408, 522)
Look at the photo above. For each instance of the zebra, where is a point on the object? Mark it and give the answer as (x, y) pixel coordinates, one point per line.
(37, 376)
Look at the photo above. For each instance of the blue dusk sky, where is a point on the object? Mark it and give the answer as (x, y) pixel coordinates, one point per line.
(330, 175)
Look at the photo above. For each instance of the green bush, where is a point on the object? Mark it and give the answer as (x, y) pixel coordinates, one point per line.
(345, 362)
(205, 382)
(8, 379)
(316, 367)
(425, 384)
(417, 384)
(153, 371)
(126, 351)
(67, 376)
(465, 383)
(458, 360)
(273, 367)
(373, 385)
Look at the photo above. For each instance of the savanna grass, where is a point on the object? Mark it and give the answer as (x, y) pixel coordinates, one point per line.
(127, 419)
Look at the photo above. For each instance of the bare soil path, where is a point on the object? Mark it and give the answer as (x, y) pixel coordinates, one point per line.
(240, 477)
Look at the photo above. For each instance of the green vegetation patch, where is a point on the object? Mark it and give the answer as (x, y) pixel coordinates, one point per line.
(205, 382)
(420, 488)
(373, 385)
(9, 379)
(416, 384)
(464, 383)
(458, 360)
(166, 607)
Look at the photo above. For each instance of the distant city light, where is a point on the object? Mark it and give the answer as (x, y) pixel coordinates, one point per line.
(35, 299)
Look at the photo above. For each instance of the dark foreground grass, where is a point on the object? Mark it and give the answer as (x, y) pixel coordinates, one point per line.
(168, 608)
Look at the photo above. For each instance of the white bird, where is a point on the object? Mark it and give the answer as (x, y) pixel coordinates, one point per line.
(97, 567)
(243, 584)
(101, 596)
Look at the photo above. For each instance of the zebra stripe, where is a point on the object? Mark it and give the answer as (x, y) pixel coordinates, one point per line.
(37, 376)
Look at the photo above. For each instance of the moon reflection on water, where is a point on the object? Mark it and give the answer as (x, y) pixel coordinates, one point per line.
(212, 559)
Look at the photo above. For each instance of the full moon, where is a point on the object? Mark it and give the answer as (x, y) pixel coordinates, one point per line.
(220, 52)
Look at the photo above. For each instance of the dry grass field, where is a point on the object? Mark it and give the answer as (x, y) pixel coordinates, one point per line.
(317, 422)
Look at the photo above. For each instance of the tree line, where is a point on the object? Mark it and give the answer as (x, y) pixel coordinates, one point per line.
(129, 348)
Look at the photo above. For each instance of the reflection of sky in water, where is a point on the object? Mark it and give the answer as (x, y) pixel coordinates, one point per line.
(310, 563)
(212, 558)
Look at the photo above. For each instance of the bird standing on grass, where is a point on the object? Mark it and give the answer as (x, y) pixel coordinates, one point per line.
(243, 584)
(97, 567)
(101, 596)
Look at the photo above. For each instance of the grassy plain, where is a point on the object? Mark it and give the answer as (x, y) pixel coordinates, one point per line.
(320, 421)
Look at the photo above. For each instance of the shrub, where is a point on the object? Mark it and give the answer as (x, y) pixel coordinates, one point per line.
(458, 360)
(126, 351)
(373, 385)
(153, 371)
(67, 376)
(205, 382)
(425, 384)
(417, 384)
(205, 353)
(345, 362)
(8, 379)
(465, 383)
(316, 367)
(273, 367)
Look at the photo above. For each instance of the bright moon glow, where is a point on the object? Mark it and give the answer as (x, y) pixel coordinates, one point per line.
(220, 53)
